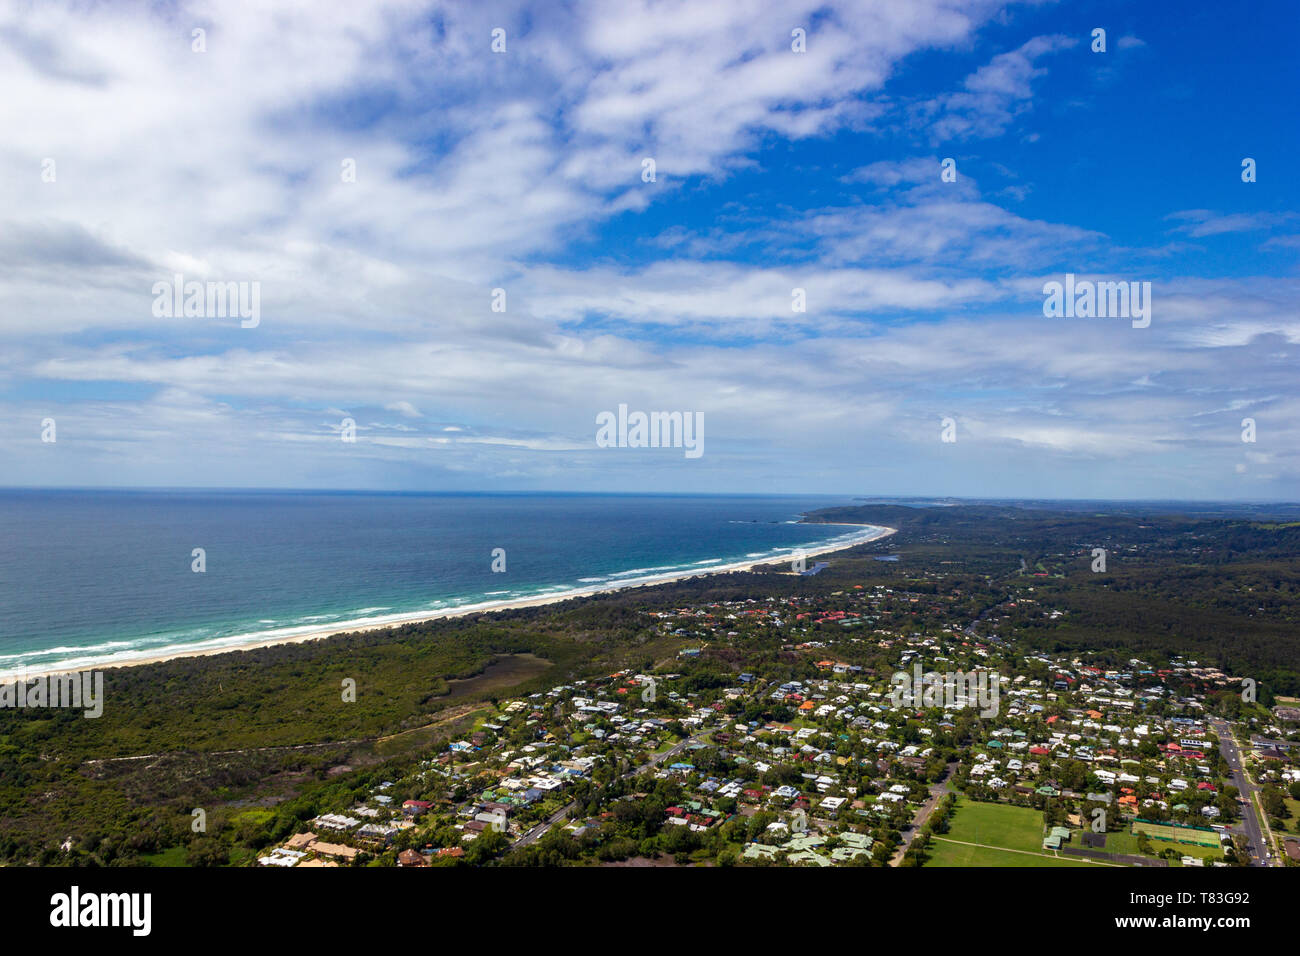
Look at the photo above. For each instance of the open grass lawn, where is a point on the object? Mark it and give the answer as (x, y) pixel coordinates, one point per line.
(1001, 830)
(957, 854)
(172, 856)
(1185, 849)
(994, 824)
(1126, 842)
(1122, 842)
(1291, 824)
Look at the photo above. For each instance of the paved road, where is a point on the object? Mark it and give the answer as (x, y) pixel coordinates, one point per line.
(937, 791)
(1250, 821)
(538, 831)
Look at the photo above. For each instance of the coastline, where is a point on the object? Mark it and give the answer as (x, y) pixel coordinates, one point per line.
(334, 630)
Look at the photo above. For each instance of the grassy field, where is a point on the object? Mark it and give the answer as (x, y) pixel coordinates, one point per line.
(173, 856)
(943, 853)
(1161, 833)
(1122, 841)
(994, 824)
(1190, 849)
(1291, 825)
(1125, 841)
(1008, 836)
(990, 834)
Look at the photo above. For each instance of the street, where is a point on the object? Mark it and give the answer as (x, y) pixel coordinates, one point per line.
(1250, 820)
(538, 831)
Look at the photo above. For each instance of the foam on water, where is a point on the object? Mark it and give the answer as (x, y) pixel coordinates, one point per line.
(98, 578)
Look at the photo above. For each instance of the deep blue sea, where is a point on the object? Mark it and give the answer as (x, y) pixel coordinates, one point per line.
(93, 577)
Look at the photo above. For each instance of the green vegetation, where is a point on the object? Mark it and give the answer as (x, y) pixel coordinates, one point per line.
(995, 824)
(263, 740)
(991, 834)
(1182, 836)
(1216, 588)
(946, 853)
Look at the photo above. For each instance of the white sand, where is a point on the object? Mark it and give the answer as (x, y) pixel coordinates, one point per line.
(484, 608)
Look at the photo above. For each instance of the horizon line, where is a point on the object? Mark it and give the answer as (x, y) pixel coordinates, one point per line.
(244, 489)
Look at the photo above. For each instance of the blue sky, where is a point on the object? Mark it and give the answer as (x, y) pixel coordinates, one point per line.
(774, 171)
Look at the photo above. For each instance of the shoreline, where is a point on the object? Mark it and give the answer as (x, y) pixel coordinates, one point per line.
(419, 617)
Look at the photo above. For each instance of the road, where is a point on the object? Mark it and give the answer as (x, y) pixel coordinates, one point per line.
(1250, 820)
(538, 831)
(937, 791)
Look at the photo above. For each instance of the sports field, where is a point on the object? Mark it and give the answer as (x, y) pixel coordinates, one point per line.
(1168, 833)
(991, 834)
(945, 853)
(995, 824)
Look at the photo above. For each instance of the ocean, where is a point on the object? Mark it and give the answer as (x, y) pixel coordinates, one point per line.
(90, 578)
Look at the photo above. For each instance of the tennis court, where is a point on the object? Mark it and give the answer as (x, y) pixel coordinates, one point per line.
(1176, 833)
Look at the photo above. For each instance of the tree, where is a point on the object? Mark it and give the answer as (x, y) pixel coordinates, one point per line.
(1241, 852)
(487, 845)
(1274, 803)
(207, 851)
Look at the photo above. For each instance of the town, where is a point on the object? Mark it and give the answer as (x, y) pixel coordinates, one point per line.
(773, 737)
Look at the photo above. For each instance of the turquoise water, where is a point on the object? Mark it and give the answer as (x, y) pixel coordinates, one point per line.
(93, 577)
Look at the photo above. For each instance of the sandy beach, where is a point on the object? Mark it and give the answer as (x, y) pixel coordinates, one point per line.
(875, 534)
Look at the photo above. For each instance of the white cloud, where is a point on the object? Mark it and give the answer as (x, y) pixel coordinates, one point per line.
(991, 97)
(475, 170)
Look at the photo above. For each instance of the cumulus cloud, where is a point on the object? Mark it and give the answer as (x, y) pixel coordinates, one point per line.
(379, 172)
